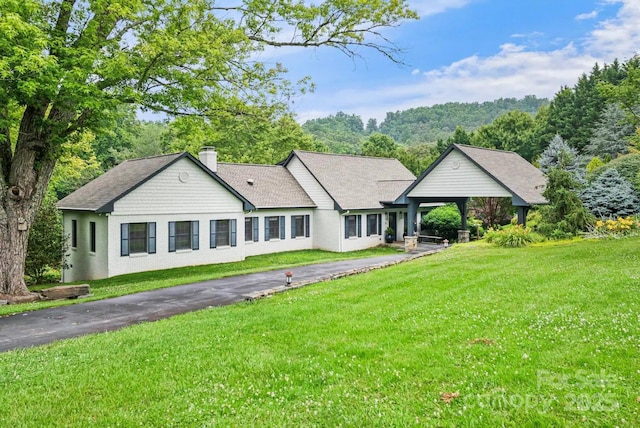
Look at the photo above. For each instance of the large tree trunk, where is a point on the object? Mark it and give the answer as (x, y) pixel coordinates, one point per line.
(13, 247)
(21, 193)
(16, 217)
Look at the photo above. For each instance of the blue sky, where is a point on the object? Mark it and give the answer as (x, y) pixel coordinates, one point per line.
(469, 50)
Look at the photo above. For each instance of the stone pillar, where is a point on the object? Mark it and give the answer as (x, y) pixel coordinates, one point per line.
(410, 243)
(463, 236)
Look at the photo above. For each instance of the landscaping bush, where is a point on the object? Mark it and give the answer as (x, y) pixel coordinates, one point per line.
(611, 195)
(565, 215)
(47, 247)
(628, 166)
(443, 221)
(514, 236)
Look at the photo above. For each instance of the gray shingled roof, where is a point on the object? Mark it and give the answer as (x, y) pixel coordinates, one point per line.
(388, 190)
(99, 194)
(512, 171)
(273, 185)
(357, 182)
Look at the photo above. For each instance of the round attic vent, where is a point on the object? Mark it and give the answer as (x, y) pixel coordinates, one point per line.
(183, 177)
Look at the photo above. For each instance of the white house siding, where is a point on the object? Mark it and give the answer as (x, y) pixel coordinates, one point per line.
(163, 259)
(457, 176)
(181, 188)
(83, 263)
(328, 235)
(364, 241)
(253, 248)
(315, 191)
(183, 192)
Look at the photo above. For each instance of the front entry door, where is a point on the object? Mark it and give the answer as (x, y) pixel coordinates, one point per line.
(393, 224)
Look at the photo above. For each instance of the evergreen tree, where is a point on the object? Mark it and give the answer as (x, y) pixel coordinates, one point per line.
(610, 136)
(558, 154)
(628, 166)
(565, 214)
(610, 195)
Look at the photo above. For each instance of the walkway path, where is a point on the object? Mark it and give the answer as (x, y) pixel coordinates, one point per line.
(48, 325)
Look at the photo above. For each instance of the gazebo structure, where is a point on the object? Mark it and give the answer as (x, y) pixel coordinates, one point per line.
(463, 172)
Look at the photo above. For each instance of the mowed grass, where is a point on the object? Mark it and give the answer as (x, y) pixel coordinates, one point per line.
(137, 282)
(547, 335)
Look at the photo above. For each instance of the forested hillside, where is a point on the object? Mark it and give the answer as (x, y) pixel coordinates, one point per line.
(428, 124)
(342, 133)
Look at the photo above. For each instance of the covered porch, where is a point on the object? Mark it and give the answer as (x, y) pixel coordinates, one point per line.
(463, 172)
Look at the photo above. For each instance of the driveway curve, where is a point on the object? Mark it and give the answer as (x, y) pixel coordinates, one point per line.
(44, 326)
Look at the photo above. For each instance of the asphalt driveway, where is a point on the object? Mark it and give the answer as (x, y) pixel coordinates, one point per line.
(48, 325)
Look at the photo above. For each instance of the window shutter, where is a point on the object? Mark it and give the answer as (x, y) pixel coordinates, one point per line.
(195, 235)
(172, 236)
(151, 238)
(368, 226)
(379, 224)
(212, 234)
(293, 227)
(282, 227)
(124, 239)
(307, 227)
(74, 233)
(359, 225)
(266, 229)
(255, 229)
(346, 227)
(233, 232)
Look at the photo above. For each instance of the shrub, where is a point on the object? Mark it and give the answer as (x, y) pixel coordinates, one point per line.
(443, 221)
(47, 246)
(628, 166)
(594, 164)
(492, 211)
(610, 195)
(514, 236)
(565, 214)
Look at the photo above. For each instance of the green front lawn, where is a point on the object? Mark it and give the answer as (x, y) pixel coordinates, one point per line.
(547, 335)
(134, 283)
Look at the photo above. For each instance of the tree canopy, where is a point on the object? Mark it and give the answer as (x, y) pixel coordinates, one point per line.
(67, 65)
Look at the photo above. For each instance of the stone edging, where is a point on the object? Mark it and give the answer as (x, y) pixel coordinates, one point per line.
(281, 289)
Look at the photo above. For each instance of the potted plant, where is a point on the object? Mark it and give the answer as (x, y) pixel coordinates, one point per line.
(389, 235)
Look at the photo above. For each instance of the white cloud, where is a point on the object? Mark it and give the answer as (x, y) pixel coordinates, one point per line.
(527, 35)
(516, 70)
(618, 37)
(433, 7)
(589, 15)
(415, 71)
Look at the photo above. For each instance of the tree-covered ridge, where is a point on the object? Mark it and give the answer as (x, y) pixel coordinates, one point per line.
(428, 124)
(422, 125)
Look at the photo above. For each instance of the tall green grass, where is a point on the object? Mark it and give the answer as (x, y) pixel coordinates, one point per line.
(477, 336)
